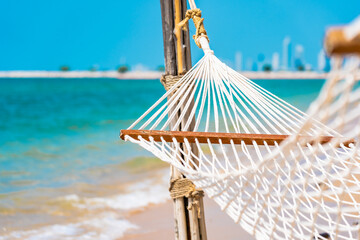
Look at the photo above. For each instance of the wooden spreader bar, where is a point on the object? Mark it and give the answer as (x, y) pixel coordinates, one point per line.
(215, 137)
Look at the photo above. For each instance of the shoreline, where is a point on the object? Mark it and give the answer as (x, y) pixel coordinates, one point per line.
(153, 75)
(85, 210)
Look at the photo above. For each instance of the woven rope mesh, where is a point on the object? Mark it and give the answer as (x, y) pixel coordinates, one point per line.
(300, 188)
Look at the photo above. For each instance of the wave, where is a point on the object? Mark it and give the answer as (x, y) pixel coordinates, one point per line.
(99, 218)
(105, 227)
(142, 194)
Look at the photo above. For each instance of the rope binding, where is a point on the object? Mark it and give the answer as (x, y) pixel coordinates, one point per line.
(183, 187)
(168, 81)
(195, 15)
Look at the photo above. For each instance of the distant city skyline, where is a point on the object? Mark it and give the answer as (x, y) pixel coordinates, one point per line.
(292, 56)
(44, 35)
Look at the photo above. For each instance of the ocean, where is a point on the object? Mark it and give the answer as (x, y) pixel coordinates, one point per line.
(64, 172)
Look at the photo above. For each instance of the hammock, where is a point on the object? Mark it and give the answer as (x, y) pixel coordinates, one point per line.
(273, 169)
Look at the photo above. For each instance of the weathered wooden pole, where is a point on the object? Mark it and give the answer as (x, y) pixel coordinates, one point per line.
(167, 13)
(196, 213)
(188, 224)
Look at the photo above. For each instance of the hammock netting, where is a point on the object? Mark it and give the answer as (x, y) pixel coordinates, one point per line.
(214, 125)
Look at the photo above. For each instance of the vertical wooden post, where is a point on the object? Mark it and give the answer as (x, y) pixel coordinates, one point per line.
(197, 223)
(186, 39)
(179, 37)
(167, 12)
(188, 225)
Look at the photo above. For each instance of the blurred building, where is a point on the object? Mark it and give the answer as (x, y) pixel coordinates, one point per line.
(299, 62)
(260, 61)
(299, 52)
(238, 61)
(308, 67)
(286, 58)
(275, 61)
(249, 64)
(321, 60)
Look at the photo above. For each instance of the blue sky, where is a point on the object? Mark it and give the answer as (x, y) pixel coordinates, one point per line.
(44, 34)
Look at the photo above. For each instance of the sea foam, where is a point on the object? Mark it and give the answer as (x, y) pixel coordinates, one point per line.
(138, 195)
(108, 226)
(104, 220)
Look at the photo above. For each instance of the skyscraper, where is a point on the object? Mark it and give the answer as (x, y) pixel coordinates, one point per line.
(238, 61)
(299, 61)
(275, 61)
(321, 61)
(286, 58)
(249, 64)
(299, 52)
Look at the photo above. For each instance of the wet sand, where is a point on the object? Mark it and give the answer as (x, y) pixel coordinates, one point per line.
(156, 222)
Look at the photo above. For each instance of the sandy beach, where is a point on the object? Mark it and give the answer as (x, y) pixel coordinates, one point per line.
(156, 222)
(138, 208)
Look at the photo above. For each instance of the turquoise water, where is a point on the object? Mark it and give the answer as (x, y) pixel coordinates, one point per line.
(53, 132)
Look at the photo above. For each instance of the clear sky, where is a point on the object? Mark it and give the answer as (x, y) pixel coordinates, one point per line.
(44, 34)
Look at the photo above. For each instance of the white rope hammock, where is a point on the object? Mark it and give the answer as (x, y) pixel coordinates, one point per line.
(276, 171)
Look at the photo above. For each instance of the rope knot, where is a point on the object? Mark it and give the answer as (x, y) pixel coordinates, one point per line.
(183, 187)
(195, 15)
(192, 13)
